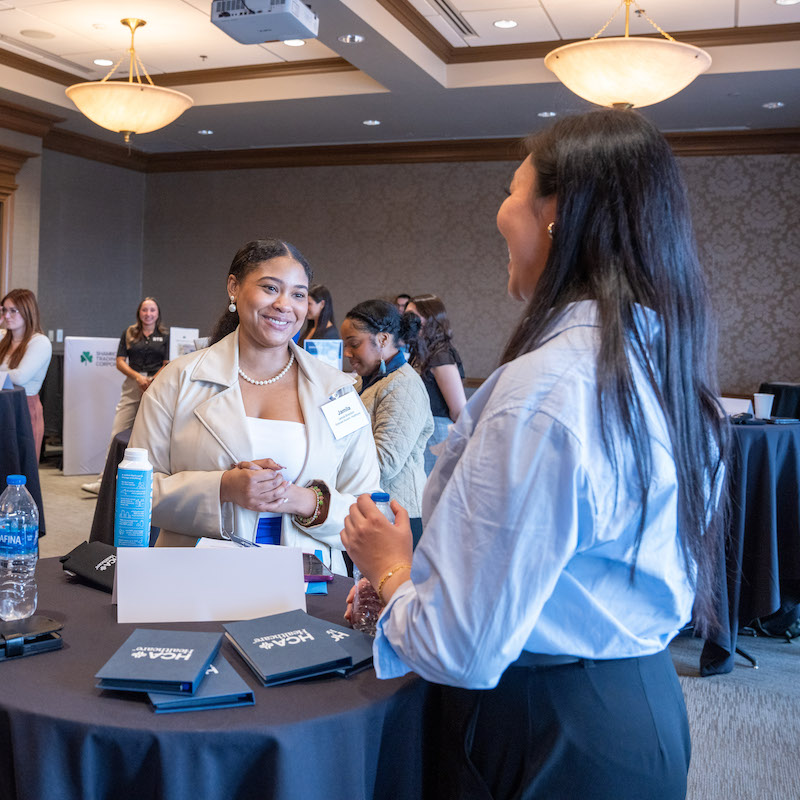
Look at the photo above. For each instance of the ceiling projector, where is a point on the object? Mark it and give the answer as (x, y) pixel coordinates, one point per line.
(259, 21)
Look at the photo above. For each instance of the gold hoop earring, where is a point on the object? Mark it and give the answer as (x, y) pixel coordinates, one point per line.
(550, 228)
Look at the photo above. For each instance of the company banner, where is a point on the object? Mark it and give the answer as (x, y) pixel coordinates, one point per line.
(327, 350)
(92, 387)
(182, 341)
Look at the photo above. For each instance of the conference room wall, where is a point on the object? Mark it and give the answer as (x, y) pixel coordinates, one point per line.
(377, 230)
(90, 251)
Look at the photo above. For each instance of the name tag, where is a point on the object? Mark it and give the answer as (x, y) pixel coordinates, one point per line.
(345, 414)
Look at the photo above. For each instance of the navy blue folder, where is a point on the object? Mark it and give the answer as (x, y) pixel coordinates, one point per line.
(222, 687)
(160, 661)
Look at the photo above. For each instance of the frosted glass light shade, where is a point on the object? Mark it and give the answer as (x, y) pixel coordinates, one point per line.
(123, 106)
(627, 70)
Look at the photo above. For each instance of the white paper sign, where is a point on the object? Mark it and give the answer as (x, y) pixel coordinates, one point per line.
(183, 584)
(181, 341)
(345, 414)
(328, 350)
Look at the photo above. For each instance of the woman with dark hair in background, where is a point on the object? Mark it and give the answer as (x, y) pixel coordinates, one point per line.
(25, 353)
(236, 432)
(571, 523)
(439, 365)
(320, 323)
(394, 396)
(143, 350)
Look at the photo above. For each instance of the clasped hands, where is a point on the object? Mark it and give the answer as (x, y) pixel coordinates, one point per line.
(258, 485)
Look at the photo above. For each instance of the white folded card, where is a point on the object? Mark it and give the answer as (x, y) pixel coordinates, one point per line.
(182, 584)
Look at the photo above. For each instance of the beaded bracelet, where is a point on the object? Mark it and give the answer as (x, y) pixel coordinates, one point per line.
(388, 574)
(306, 521)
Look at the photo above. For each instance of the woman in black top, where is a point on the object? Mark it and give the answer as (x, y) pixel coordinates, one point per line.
(143, 350)
(319, 321)
(439, 365)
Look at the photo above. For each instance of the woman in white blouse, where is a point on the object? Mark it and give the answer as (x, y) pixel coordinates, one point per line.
(25, 352)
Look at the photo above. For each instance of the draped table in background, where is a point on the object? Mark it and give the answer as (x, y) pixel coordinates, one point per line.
(18, 454)
(787, 398)
(61, 738)
(762, 554)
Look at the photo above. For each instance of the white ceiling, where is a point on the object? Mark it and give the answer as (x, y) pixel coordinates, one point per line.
(399, 80)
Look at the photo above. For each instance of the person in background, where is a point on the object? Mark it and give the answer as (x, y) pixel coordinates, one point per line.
(401, 301)
(439, 365)
(236, 432)
(571, 523)
(320, 323)
(25, 353)
(394, 396)
(143, 350)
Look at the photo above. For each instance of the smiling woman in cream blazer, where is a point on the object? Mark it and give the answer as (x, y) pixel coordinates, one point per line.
(213, 473)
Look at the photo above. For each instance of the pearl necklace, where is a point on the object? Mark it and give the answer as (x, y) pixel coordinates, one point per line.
(270, 380)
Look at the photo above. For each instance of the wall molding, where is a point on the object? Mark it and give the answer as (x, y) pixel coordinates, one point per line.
(688, 144)
(76, 144)
(25, 120)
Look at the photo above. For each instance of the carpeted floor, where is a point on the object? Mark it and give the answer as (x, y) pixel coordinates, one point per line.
(745, 725)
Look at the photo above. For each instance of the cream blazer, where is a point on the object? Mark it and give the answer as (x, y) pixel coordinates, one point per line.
(192, 422)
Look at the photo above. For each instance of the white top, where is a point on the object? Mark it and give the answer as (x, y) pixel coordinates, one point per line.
(33, 367)
(525, 546)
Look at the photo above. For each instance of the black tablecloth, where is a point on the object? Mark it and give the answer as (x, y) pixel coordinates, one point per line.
(18, 454)
(62, 739)
(787, 398)
(762, 555)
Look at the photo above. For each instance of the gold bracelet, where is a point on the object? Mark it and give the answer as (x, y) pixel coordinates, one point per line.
(388, 574)
(306, 521)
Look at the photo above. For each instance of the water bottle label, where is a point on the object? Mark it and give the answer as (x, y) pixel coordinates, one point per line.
(134, 506)
(16, 539)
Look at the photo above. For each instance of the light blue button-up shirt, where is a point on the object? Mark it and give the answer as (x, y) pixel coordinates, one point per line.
(529, 536)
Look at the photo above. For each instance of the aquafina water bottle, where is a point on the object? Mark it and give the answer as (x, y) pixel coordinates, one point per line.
(367, 606)
(19, 549)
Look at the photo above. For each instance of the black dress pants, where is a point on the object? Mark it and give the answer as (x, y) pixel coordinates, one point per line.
(592, 730)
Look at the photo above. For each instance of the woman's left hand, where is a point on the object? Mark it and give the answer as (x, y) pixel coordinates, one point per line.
(285, 498)
(374, 543)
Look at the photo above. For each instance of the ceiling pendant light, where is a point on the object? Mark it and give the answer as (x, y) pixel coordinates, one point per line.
(622, 71)
(130, 106)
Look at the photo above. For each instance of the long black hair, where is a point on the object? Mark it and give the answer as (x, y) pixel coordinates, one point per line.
(435, 334)
(623, 238)
(246, 259)
(379, 316)
(320, 293)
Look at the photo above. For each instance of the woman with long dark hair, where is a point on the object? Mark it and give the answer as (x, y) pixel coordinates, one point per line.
(320, 323)
(394, 396)
(439, 365)
(237, 433)
(25, 353)
(572, 522)
(143, 350)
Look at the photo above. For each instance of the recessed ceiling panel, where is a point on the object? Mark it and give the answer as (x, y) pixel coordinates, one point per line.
(532, 26)
(580, 19)
(767, 12)
(313, 48)
(63, 41)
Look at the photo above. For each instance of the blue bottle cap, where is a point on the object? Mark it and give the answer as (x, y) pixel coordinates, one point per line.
(380, 497)
(16, 480)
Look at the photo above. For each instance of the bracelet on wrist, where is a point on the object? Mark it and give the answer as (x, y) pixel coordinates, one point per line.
(310, 520)
(393, 570)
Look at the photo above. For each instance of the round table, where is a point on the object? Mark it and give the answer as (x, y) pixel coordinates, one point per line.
(61, 738)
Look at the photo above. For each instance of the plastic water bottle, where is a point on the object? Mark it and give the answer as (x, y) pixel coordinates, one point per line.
(134, 504)
(19, 549)
(367, 606)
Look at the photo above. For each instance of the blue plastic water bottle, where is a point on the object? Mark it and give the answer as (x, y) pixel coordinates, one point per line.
(134, 502)
(19, 549)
